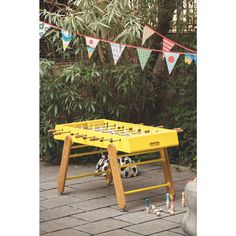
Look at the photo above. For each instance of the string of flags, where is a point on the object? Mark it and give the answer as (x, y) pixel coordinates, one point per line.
(118, 48)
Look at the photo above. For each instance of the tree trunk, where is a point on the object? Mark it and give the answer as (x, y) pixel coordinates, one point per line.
(160, 74)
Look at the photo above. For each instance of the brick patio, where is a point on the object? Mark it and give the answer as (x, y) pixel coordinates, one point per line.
(89, 207)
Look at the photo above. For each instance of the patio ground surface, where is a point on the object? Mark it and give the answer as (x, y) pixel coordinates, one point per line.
(88, 206)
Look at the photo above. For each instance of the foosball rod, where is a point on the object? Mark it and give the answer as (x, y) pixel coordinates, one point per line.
(97, 126)
(94, 138)
(62, 132)
(110, 139)
(108, 128)
(54, 130)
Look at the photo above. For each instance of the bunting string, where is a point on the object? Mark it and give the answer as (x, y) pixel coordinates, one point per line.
(154, 31)
(131, 46)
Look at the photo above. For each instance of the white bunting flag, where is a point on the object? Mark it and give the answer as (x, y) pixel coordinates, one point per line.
(66, 38)
(91, 45)
(117, 50)
(147, 32)
(171, 59)
(43, 27)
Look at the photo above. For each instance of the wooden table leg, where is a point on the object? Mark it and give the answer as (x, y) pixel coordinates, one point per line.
(109, 178)
(119, 189)
(166, 171)
(64, 164)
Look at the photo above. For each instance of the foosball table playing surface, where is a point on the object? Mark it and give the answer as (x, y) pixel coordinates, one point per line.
(119, 139)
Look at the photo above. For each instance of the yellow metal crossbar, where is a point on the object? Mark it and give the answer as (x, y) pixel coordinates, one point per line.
(79, 146)
(142, 163)
(87, 153)
(87, 174)
(146, 189)
(137, 153)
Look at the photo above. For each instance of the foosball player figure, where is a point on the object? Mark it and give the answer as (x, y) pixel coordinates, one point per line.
(172, 205)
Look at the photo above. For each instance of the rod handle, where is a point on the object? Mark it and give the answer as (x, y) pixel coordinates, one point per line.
(94, 139)
(52, 130)
(179, 130)
(79, 135)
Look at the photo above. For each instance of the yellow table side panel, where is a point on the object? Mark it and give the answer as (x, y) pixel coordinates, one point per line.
(154, 141)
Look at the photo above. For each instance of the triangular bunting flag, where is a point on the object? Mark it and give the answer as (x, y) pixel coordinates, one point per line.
(117, 50)
(188, 58)
(195, 58)
(147, 32)
(143, 55)
(171, 59)
(43, 27)
(91, 45)
(66, 38)
(167, 45)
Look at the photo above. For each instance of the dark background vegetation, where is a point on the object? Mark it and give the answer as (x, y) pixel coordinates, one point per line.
(75, 88)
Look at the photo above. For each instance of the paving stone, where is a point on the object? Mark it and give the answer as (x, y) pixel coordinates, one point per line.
(92, 185)
(60, 200)
(139, 177)
(139, 205)
(176, 218)
(145, 183)
(152, 227)
(94, 203)
(48, 185)
(133, 206)
(101, 226)
(67, 232)
(61, 223)
(183, 176)
(149, 167)
(157, 173)
(166, 233)
(59, 212)
(99, 214)
(178, 230)
(119, 232)
(179, 187)
(42, 232)
(87, 195)
(49, 193)
(42, 198)
(133, 197)
(42, 208)
(139, 217)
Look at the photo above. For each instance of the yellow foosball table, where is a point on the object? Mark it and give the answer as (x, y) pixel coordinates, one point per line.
(119, 139)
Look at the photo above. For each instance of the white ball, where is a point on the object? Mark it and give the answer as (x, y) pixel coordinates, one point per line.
(158, 213)
(153, 207)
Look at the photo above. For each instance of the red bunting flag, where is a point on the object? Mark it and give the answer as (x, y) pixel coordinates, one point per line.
(167, 45)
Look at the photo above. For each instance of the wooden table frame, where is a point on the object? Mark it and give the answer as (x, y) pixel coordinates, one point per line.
(113, 172)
